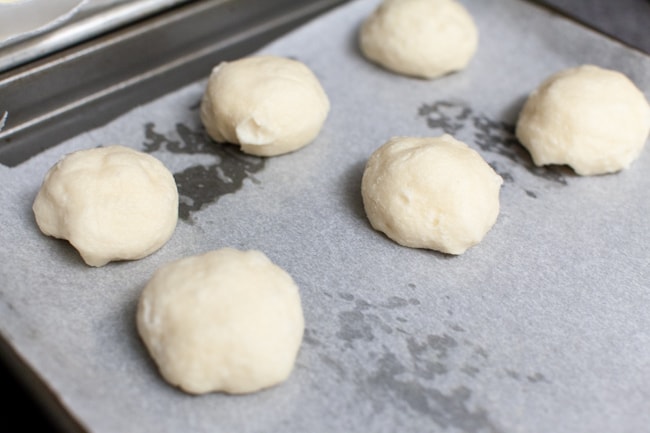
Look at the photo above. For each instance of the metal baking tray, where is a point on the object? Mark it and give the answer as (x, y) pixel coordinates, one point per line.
(87, 85)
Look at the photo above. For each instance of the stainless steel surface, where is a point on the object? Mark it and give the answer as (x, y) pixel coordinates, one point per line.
(82, 30)
(23, 19)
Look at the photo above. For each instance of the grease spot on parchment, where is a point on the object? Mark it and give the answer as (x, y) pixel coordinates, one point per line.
(393, 379)
(309, 337)
(491, 136)
(223, 172)
(354, 326)
(447, 410)
(393, 366)
(513, 374)
(536, 377)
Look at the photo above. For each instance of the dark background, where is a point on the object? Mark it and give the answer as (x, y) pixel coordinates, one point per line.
(625, 20)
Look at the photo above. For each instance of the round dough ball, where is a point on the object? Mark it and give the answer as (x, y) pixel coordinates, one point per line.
(226, 320)
(421, 38)
(434, 193)
(592, 119)
(111, 203)
(268, 105)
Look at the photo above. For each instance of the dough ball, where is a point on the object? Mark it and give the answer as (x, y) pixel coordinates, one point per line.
(111, 203)
(434, 193)
(592, 119)
(226, 320)
(268, 105)
(421, 38)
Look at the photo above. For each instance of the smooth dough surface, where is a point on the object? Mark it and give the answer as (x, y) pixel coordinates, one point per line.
(227, 320)
(590, 118)
(111, 203)
(421, 38)
(269, 105)
(431, 192)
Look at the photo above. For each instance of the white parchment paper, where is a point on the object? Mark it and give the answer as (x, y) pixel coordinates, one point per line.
(542, 327)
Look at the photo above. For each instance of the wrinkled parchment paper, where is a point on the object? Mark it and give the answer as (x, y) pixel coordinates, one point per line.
(542, 327)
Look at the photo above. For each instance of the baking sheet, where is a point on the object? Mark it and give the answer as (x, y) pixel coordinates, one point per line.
(541, 327)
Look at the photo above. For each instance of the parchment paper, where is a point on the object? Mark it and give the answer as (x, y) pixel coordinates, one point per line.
(542, 327)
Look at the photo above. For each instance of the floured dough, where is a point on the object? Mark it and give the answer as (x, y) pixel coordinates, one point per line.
(227, 320)
(111, 203)
(430, 192)
(421, 38)
(590, 118)
(268, 105)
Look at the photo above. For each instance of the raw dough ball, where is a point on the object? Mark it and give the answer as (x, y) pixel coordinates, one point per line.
(227, 321)
(434, 193)
(422, 38)
(592, 119)
(268, 105)
(111, 203)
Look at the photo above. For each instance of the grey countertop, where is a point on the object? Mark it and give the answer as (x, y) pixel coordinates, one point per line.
(625, 20)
